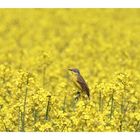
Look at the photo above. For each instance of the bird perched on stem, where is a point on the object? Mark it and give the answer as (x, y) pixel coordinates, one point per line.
(80, 82)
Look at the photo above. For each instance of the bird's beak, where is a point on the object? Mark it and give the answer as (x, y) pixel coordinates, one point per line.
(70, 69)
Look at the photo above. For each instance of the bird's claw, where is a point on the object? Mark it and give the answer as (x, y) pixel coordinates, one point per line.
(77, 95)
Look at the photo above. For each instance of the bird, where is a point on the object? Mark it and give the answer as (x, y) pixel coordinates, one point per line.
(79, 81)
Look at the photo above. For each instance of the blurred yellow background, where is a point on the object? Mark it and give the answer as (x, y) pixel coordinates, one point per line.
(37, 46)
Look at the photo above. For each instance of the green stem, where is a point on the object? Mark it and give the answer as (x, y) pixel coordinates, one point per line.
(122, 104)
(75, 100)
(19, 120)
(21, 117)
(24, 106)
(138, 126)
(64, 104)
(112, 106)
(35, 117)
(48, 108)
(122, 112)
(121, 123)
(100, 102)
(6, 129)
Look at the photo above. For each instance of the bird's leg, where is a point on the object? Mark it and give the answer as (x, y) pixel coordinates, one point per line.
(77, 95)
(75, 100)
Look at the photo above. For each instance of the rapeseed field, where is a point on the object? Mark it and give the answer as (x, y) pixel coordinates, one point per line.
(38, 46)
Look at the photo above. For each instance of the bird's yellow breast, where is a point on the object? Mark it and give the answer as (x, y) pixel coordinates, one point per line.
(74, 80)
(73, 77)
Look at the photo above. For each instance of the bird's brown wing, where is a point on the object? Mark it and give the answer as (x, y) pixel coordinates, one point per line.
(83, 85)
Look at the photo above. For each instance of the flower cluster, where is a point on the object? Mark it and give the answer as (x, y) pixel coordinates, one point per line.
(37, 48)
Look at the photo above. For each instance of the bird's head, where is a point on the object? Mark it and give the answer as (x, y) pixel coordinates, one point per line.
(74, 70)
